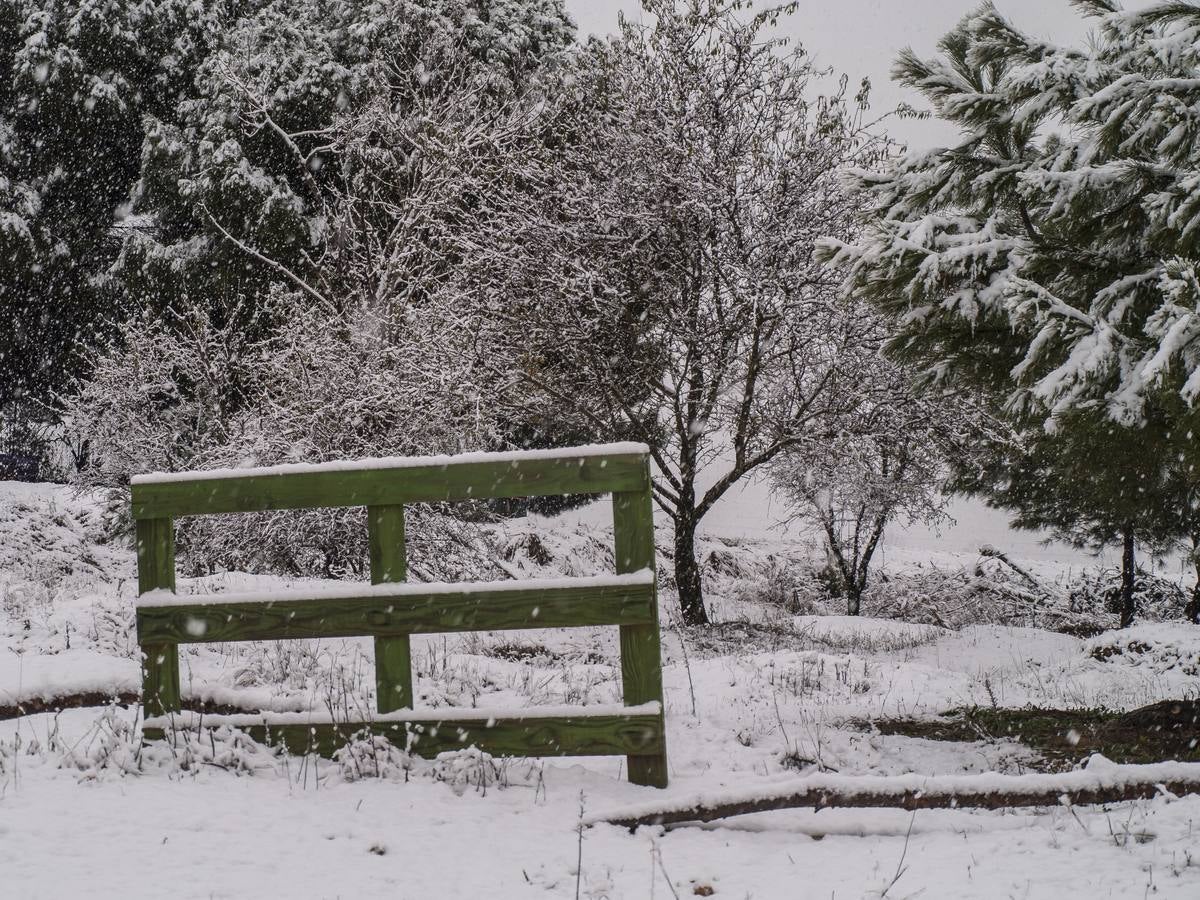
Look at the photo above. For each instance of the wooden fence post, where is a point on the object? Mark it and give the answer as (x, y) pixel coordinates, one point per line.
(389, 563)
(641, 661)
(160, 661)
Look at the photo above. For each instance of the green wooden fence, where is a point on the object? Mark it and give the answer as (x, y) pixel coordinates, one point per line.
(390, 610)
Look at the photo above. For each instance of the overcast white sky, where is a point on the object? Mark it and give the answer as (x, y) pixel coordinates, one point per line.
(862, 37)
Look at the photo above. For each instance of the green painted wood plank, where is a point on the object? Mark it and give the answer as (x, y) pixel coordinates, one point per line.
(388, 552)
(641, 659)
(160, 658)
(156, 555)
(389, 564)
(580, 735)
(391, 486)
(416, 613)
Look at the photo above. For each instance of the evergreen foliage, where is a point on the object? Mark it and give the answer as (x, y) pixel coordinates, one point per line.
(1047, 254)
(1049, 258)
(81, 75)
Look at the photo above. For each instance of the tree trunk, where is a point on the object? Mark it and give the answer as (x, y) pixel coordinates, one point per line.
(1127, 576)
(856, 585)
(1192, 610)
(853, 598)
(687, 573)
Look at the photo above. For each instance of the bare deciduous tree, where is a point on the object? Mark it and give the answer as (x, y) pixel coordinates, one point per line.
(653, 277)
(889, 459)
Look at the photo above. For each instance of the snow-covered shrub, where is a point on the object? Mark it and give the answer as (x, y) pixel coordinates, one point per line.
(1155, 598)
(373, 756)
(986, 594)
(60, 579)
(993, 591)
(196, 396)
(113, 744)
(113, 747)
(562, 552)
(225, 747)
(110, 627)
(793, 586)
(334, 675)
(470, 768)
(1160, 648)
(334, 234)
(165, 394)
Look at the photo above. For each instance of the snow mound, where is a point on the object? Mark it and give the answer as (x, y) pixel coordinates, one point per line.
(1161, 647)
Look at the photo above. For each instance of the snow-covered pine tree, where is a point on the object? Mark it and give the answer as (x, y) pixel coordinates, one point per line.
(79, 76)
(1049, 257)
(1093, 483)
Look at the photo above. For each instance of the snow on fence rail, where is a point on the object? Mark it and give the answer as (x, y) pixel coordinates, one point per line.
(390, 612)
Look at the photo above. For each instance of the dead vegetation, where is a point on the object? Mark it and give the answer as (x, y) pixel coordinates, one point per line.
(1169, 729)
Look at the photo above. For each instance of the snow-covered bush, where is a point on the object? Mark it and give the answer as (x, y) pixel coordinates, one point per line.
(470, 768)
(192, 395)
(373, 756)
(1155, 598)
(1157, 647)
(329, 390)
(331, 149)
(995, 590)
(956, 597)
(112, 746)
(795, 587)
(163, 396)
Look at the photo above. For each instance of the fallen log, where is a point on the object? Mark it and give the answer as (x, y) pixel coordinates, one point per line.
(31, 706)
(1100, 782)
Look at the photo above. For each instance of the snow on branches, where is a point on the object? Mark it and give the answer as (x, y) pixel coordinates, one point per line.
(653, 277)
(1059, 236)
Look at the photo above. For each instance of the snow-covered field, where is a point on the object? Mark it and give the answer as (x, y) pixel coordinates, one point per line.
(761, 699)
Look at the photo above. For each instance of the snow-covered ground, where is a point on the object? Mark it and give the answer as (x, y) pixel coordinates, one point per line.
(759, 700)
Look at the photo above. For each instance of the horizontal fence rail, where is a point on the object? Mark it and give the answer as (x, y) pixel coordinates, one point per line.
(583, 731)
(390, 610)
(607, 469)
